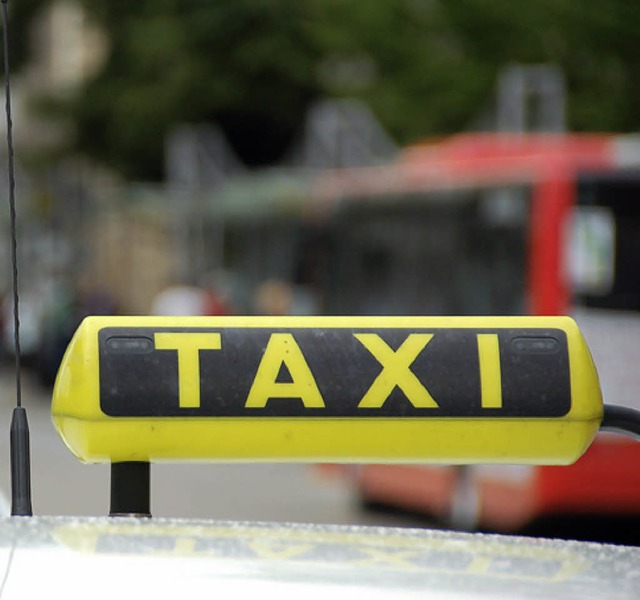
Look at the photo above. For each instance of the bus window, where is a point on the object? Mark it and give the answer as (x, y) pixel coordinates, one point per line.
(604, 250)
(591, 250)
(442, 253)
(604, 242)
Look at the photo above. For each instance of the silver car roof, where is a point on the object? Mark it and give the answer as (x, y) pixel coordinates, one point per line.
(165, 558)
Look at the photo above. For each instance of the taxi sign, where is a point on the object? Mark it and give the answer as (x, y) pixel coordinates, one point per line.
(392, 389)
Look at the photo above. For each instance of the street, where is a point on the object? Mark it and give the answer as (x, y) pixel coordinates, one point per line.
(256, 492)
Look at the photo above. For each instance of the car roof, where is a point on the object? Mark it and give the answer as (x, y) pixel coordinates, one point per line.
(166, 558)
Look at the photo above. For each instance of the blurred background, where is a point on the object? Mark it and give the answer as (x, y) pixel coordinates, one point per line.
(332, 157)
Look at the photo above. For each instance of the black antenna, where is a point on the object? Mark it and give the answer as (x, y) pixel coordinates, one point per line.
(19, 445)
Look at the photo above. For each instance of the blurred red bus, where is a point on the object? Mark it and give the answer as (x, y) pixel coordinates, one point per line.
(543, 224)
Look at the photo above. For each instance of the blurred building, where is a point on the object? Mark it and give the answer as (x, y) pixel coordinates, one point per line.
(64, 49)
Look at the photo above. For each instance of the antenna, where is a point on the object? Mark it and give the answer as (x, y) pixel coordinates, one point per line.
(19, 443)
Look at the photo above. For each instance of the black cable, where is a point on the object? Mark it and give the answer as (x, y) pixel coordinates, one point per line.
(621, 419)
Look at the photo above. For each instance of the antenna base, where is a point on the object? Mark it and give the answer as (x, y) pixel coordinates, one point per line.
(20, 464)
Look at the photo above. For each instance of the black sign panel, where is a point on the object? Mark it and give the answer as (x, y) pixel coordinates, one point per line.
(333, 372)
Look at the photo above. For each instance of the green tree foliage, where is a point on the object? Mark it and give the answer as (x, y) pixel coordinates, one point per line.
(21, 15)
(424, 66)
(247, 65)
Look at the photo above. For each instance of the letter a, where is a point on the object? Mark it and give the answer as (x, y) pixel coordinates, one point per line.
(282, 349)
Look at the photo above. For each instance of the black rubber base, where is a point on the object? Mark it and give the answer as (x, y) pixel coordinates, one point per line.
(130, 489)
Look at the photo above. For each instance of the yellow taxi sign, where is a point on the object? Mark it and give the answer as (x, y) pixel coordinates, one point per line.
(351, 389)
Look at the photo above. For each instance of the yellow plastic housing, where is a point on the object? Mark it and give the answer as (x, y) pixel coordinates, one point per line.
(398, 418)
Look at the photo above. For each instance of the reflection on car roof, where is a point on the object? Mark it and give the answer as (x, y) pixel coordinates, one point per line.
(163, 558)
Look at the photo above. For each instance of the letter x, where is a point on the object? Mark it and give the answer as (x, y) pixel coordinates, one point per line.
(396, 371)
